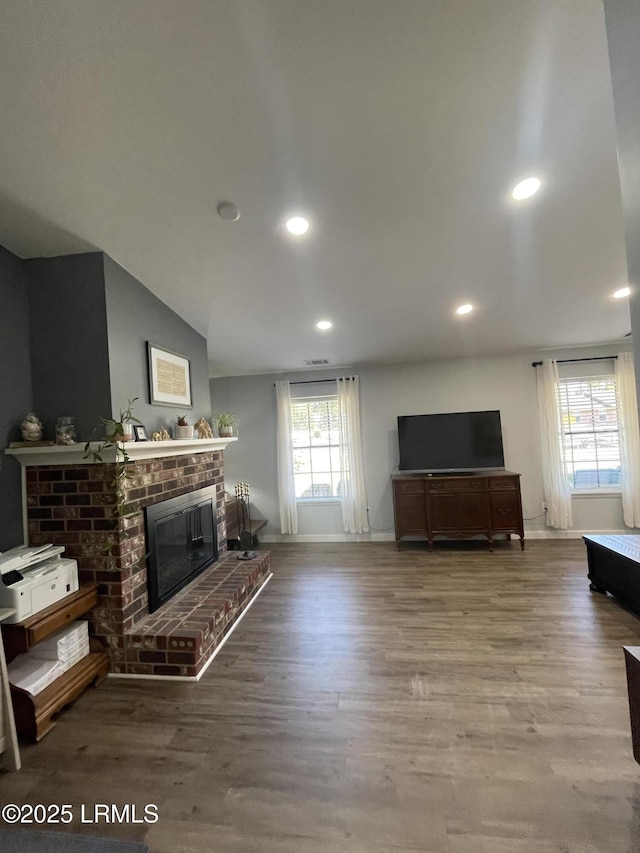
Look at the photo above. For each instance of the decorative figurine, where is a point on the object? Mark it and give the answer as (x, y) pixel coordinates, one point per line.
(155, 436)
(164, 433)
(31, 428)
(66, 431)
(204, 429)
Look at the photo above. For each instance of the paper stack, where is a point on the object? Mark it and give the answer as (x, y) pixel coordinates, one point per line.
(66, 647)
(32, 674)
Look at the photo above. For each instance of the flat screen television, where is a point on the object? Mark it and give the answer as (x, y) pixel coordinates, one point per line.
(452, 443)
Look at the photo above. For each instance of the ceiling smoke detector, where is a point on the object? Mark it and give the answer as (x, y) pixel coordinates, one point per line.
(229, 211)
(316, 362)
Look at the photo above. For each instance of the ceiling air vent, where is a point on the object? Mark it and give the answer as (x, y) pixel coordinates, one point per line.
(316, 362)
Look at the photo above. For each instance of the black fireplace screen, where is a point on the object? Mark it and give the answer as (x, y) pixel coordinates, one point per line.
(181, 542)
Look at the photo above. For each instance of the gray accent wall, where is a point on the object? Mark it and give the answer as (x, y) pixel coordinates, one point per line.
(135, 316)
(73, 341)
(15, 390)
(90, 321)
(69, 351)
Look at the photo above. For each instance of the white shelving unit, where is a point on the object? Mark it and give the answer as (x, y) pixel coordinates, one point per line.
(8, 737)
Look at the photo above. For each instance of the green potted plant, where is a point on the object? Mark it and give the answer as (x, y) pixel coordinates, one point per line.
(182, 428)
(117, 432)
(225, 422)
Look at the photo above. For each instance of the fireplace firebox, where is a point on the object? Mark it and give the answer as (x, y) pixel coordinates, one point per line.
(181, 542)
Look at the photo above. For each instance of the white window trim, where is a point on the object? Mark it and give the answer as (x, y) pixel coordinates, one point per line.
(327, 396)
(570, 376)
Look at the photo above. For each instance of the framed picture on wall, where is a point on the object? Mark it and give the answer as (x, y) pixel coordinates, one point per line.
(169, 377)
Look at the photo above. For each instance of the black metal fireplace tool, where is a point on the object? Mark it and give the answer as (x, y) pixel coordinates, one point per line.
(246, 537)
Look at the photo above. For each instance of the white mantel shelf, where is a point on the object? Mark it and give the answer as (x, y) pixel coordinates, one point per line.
(74, 454)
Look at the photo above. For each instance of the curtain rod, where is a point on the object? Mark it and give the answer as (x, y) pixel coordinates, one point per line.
(315, 381)
(572, 360)
(309, 381)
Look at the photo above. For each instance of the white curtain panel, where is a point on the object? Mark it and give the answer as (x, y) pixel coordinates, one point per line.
(629, 438)
(555, 483)
(286, 484)
(353, 493)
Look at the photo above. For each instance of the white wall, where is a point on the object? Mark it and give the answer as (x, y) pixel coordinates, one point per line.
(504, 383)
(623, 35)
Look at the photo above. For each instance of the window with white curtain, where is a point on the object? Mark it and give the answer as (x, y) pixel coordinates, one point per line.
(315, 445)
(590, 431)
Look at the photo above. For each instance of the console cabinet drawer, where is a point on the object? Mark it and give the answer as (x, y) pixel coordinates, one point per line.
(457, 484)
(409, 487)
(497, 483)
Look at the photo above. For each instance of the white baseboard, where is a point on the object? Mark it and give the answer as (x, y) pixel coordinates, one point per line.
(327, 537)
(390, 537)
(571, 534)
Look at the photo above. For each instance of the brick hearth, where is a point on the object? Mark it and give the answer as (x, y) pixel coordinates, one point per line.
(74, 505)
(181, 637)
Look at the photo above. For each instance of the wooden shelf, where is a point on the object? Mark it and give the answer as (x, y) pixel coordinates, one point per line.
(34, 713)
(19, 637)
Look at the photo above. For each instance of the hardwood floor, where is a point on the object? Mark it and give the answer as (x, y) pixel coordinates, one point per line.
(372, 701)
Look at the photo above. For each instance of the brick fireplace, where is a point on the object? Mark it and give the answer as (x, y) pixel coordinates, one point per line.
(70, 501)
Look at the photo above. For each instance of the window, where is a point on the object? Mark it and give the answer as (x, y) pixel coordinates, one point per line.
(590, 431)
(315, 437)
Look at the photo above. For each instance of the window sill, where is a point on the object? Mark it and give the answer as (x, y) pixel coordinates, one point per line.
(317, 501)
(596, 493)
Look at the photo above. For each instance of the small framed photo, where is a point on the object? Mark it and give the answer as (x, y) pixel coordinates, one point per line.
(139, 433)
(169, 377)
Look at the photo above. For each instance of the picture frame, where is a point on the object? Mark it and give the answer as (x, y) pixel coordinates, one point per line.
(139, 433)
(169, 377)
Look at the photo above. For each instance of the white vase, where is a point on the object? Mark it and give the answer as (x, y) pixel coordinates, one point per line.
(183, 432)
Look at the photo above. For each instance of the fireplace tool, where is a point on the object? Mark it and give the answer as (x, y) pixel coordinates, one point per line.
(246, 539)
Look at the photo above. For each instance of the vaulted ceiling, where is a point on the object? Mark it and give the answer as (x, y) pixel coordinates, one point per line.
(397, 127)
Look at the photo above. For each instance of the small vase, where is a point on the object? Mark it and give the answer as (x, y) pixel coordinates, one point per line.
(225, 431)
(183, 432)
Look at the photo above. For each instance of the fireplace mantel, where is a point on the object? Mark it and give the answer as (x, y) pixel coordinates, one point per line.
(74, 454)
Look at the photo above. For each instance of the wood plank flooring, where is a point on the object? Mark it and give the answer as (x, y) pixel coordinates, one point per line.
(372, 701)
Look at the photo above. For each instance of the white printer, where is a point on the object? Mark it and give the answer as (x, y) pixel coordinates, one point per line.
(35, 577)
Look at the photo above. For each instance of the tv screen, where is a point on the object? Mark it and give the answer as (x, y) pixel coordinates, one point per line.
(450, 443)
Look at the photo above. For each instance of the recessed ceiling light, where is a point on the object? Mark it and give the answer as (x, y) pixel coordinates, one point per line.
(526, 188)
(324, 325)
(620, 294)
(464, 309)
(297, 225)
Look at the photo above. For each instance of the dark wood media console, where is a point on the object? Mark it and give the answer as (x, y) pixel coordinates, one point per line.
(486, 503)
